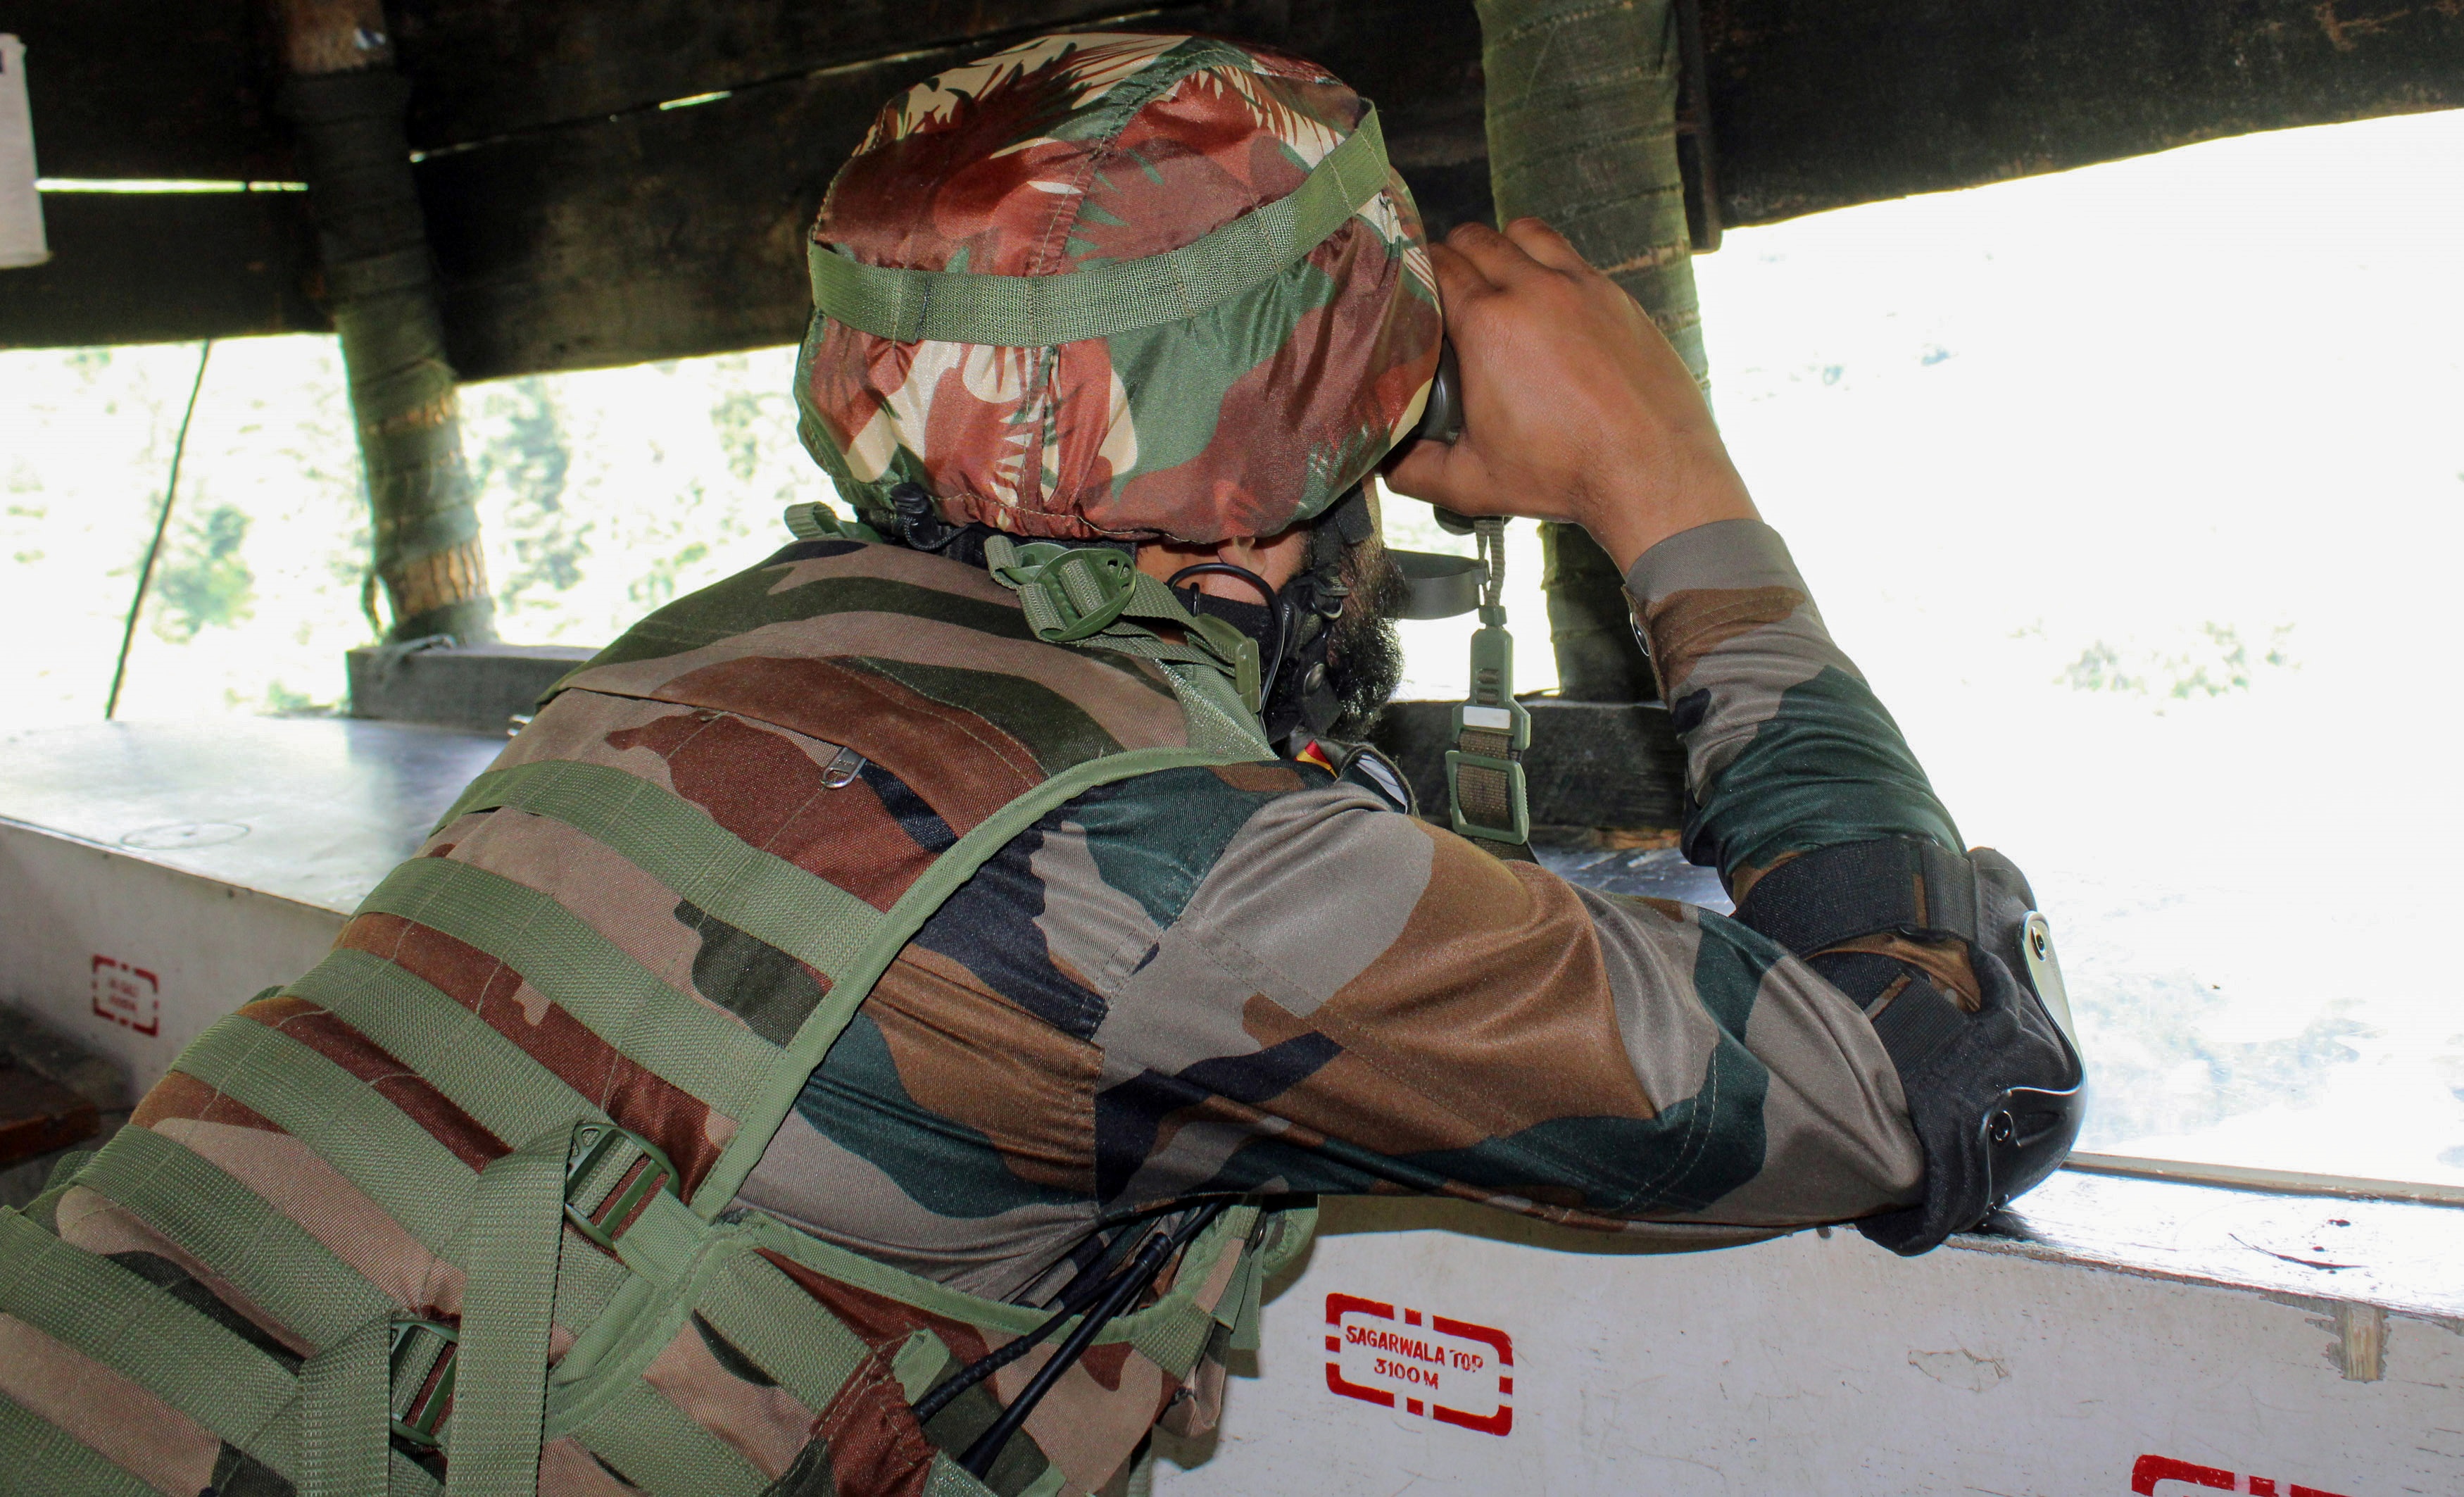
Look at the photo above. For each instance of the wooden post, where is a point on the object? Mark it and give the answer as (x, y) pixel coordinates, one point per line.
(1582, 131)
(346, 100)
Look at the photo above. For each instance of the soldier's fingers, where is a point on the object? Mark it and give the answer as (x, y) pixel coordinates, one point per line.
(1493, 254)
(1460, 282)
(1456, 477)
(1534, 238)
(1435, 472)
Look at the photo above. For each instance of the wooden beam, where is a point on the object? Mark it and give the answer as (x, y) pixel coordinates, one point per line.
(165, 267)
(168, 89)
(568, 238)
(486, 68)
(1819, 106)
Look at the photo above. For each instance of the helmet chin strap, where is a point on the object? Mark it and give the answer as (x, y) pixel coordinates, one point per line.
(1294, 623)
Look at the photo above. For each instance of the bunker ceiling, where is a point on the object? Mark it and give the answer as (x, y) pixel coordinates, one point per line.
(589, 207)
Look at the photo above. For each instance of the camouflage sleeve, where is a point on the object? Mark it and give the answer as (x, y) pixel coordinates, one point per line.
(1787, 749)
(1352, 1000)
(1254, 978)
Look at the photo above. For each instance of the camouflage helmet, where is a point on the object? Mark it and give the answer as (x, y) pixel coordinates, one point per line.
(1117, 285)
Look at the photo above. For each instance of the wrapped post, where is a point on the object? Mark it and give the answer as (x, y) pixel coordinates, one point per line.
(347, 100)
(1582, 131)
(21, 204)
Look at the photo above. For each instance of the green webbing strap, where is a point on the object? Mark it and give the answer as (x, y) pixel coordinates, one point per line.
(349, 1124)
(811, 1356)
(482, 1071)
(787, 1076)
(411, 1478)
(46, 1459)
(95, 1307)
(698, 1048)
(452, 1049)
(1486, 798)
(342, 1399)
(949, 1479)
(1172, 1332)
(1100, 300)
(663, 1450)
(677, 843)
(500, 1381)
(1095, 598)
(269, 1258)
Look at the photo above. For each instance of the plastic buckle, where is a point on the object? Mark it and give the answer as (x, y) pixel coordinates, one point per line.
(1089, 587)
(429, 1374)
(1518, 798)
(637, 1182)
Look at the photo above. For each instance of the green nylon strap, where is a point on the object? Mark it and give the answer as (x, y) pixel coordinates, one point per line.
(699, 1050)
(411, 1478)
(678, 843)
(811, 1354)
(269, 1258)
(1488, 796)
(1095, 598)
(661, 1244)
(453, 1050)
(1172, 1332)
(501, 1386)
(95, 1307)
(351, 1126)
(787, 1073)
(1122, 296)
(47, 1460)
(948, 1479)
(343, 1425)
(487, 1075)
(662, 1450)
(1049, 1484)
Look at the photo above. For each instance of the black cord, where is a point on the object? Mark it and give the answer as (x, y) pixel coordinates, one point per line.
(1133, 1281)
(1076, 1298)
(1274, 610)
(161, 523)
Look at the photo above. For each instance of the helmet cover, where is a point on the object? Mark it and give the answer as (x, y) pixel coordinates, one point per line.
(1091, 150)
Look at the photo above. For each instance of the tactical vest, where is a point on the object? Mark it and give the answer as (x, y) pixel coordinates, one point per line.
(593, 1277)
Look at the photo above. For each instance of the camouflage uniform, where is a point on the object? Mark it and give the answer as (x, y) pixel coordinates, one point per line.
(1254, 979)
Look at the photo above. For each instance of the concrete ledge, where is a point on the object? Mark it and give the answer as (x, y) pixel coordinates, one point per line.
(477, 689)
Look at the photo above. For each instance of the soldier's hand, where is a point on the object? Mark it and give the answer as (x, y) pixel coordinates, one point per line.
(1574, 406)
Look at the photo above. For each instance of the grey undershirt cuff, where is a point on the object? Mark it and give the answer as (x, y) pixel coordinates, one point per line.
(1724, 554)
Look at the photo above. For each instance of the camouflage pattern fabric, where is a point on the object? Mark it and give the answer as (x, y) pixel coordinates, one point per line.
(1079, 150)
(1251, 979)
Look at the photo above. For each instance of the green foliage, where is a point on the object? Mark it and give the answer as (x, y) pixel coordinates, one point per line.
(743, 417)
(530, 459)
(281, 701)
(2219, 662)
(658, 585)
(202, 580)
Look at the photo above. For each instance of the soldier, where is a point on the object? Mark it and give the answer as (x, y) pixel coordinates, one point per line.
(880, 1025)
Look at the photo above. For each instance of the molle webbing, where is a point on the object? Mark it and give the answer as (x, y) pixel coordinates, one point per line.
(1102, 300)
(640, 1258)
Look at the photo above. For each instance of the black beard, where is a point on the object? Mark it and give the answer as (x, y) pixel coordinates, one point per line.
(1364, 655)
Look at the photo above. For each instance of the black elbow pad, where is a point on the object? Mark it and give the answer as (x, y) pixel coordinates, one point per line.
(1996, 1096)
